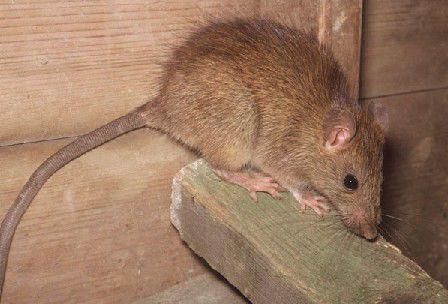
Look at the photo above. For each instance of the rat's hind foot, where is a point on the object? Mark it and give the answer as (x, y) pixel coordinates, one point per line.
(252, 181)
(310, 199)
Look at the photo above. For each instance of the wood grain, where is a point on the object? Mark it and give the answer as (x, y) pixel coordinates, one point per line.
(416, 177)
(273, 253)
(404, 48)
(99, 230)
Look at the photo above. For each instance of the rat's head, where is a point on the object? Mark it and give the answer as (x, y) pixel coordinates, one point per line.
(350, 174)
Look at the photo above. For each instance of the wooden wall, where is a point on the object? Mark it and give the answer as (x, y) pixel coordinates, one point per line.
(99, 230)
(404, 69)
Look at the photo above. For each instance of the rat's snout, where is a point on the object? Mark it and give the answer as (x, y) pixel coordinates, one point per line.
(369, 232)
(362, 224)
(365, 230)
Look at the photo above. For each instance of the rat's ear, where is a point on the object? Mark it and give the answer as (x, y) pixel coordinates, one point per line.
(339, 129)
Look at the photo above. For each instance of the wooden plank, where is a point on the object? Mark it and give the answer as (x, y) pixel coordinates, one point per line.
(68, 67)
(99, 231)
(405, 46)
(416, 177)
(340, 27)
(207, 288)
(274, 254)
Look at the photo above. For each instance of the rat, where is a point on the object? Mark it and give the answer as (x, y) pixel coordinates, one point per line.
(253, 93)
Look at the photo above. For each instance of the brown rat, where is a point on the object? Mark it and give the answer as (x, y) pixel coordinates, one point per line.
(254, 93)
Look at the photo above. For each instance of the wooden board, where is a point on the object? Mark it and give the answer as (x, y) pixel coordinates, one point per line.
(416, 177)
(99, 231)
(68, 67)
(274, 254)
(207, 288)
(405, 46)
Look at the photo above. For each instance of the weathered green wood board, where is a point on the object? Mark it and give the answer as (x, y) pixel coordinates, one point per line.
(274, 254)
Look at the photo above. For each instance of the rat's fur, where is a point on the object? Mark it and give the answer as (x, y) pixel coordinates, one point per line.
(253, 93)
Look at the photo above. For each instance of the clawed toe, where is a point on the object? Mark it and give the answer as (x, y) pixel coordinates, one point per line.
(316, 202)
(254, 182)
(270, 187)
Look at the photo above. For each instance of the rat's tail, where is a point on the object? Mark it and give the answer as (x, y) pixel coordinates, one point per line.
(78, 147)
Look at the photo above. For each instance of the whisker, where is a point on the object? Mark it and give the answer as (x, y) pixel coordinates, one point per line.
(393, 217)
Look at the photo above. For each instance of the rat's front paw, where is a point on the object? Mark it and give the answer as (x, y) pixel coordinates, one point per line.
(315, 201)
(253, 181)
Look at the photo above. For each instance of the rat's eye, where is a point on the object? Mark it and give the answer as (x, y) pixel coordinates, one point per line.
(350, 182)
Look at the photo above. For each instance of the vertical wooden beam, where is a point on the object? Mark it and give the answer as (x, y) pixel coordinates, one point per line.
(339, 26)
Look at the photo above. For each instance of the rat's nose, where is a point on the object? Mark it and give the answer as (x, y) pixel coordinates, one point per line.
(360, 222)
(369, 232)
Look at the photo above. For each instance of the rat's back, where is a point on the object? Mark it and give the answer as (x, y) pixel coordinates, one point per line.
(231, 83)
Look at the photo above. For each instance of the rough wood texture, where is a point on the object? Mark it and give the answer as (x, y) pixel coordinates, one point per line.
(404, 46)
(99, 231)
(274, 254)
(203, 289)
(416, 177)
